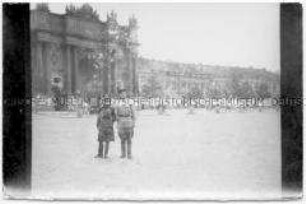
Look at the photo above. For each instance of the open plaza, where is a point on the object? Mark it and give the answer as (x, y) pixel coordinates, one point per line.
(177, 155)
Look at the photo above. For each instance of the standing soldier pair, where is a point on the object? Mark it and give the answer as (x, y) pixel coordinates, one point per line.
(124, 114)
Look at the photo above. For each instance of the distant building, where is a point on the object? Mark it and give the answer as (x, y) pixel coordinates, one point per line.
(177, 79)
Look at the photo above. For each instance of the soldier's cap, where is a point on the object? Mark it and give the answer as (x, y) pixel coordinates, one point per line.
(106, 100)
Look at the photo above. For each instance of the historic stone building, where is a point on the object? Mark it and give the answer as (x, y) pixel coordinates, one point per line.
(79, 49)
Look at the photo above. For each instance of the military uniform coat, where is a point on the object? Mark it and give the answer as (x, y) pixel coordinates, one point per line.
(105, 124)
(125, 121)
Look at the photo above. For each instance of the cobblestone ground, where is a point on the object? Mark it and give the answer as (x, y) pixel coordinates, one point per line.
(176, 156)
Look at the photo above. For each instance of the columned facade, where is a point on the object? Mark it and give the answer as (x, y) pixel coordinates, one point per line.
(63, 46)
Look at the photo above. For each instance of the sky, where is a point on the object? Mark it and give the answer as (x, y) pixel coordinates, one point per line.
(236, 34)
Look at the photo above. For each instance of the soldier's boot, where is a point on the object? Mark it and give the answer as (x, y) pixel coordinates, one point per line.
(106, 150)
(129, 149)
(100, 150)
(123, 149)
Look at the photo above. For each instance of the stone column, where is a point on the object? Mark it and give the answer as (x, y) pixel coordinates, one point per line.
(130, 75)
(72, 74)
(34, 69)
(109, 75)
(132, 81)
(39, 66)
(76, 69)
(113, 72)
(67, 64)
(134, 76)
(48, 67)
(44, 69)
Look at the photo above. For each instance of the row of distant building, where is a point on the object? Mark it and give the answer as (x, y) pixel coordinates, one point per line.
(177, 79)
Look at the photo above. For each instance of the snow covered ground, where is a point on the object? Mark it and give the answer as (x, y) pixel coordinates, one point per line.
(176, 156)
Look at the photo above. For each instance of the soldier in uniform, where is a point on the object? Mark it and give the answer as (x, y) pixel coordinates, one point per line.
(125, 125)
(105, 122)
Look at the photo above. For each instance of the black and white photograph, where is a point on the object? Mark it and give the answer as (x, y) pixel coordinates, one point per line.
(158, 101)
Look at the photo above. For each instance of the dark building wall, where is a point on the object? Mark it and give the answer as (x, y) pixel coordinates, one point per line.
(61, 44)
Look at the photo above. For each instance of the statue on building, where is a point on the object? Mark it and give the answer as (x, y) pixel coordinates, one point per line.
(112, 27)
(85, 11)
(42, 7)
(132, 28)
(133, 22)
(112, 17)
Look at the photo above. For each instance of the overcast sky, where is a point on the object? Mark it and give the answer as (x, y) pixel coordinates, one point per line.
(216, 34)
